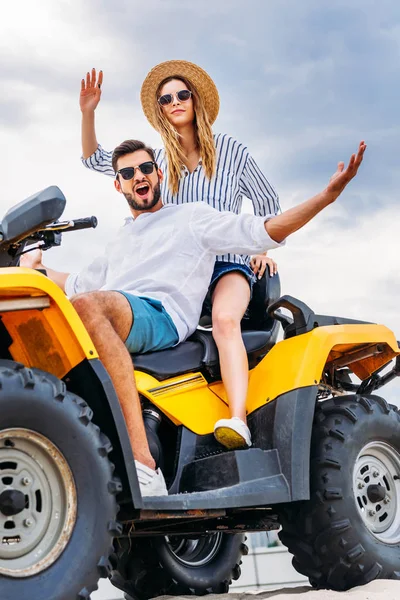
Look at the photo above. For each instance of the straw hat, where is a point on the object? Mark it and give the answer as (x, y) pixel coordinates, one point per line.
(197, 76)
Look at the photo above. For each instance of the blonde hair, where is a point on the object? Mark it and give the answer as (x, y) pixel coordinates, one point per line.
(171, 138)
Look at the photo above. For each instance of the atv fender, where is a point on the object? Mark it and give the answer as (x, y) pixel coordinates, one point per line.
(299, 361)
(44, 330)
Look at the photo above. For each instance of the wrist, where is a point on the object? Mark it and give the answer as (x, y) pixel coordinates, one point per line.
(87, 113)
(329, 196)
(26, 264)
(38, 266)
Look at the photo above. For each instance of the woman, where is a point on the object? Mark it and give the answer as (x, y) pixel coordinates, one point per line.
(181, 102)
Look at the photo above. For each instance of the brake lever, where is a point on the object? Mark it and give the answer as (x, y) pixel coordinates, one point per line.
(51, 239)
(48, 239)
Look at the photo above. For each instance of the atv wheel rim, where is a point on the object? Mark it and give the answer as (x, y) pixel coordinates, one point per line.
(378, 464)
(32, 538)
(194, 552)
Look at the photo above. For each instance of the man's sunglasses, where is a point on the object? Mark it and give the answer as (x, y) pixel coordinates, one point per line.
(182, 96)
(128, 173)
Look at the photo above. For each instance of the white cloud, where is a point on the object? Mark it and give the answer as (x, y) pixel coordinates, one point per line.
(57, 36)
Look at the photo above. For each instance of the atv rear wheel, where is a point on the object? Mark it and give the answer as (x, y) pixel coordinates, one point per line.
(181, 565)
(57, 490)
(348, 533)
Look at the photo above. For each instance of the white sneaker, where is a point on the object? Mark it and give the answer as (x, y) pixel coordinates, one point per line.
(232, 433)
(151, 483)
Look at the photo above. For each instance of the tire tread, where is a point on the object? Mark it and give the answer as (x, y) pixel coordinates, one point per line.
(29, 379)
(323, 537)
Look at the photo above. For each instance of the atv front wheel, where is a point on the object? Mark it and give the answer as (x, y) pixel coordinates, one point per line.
(348, 533)
(181, 565)
(57, 490)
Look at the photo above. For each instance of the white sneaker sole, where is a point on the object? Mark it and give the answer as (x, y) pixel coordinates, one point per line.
(230, 438)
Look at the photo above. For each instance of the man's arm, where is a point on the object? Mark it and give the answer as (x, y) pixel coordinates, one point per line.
(90, 278)
(224, 232)
(283, 225)
(33, 260)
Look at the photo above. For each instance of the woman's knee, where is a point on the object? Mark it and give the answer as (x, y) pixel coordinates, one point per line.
(225, 324)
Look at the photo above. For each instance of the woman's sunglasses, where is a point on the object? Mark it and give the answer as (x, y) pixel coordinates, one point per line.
(182, 96)
(128, 173)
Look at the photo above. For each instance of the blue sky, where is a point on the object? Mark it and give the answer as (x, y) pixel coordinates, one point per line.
(301, 83)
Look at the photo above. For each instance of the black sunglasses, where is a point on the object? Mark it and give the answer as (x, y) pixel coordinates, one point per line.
(128, 173)
(182, 96)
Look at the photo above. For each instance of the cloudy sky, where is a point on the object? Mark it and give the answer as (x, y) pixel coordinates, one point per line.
(301, 83)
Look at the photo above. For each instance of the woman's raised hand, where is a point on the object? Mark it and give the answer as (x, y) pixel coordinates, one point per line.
(90, 91)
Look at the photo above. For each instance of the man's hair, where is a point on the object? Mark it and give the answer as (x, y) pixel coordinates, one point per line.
(172, 140)
(128, 147)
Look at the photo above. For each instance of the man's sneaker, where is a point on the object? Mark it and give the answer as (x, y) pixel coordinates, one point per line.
(151, 483)
(232, 433)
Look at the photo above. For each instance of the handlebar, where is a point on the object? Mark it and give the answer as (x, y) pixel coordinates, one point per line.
(75, 225)
(50, 235)
(47, 236)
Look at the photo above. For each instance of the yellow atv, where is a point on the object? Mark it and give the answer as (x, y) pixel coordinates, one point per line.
(325, 464)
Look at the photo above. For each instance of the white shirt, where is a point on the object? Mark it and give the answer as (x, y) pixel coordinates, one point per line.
(169, 255)
(237, 175)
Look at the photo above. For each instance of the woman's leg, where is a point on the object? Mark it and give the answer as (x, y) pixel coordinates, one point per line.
(229, 303)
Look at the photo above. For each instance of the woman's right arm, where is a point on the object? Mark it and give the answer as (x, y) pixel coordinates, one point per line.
(89, 140)
(88, 101)
(93, 155)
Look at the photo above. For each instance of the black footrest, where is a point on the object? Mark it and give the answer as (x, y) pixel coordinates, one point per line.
(229, 469)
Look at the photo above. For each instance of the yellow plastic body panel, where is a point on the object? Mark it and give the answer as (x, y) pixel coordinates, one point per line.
(53, 339)
(291, 364)
(185, 400)
(299, 361)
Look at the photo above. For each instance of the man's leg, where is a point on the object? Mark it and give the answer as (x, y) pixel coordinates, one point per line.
(108, 318)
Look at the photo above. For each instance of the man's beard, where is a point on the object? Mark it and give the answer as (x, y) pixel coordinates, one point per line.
(148, 204)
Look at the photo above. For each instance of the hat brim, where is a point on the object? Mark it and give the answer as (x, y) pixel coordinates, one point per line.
(194, 74)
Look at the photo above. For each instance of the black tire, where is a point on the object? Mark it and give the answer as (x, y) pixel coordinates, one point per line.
(37, 402)
(181, 565)
(334, 537)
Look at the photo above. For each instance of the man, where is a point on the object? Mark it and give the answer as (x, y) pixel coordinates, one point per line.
(146, 292)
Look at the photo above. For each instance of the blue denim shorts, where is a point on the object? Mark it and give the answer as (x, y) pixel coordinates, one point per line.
(221, 268)
(152, 328)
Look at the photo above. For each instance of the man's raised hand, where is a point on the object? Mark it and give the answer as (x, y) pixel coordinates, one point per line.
(343, 176)
(90, 91)
(283, 225)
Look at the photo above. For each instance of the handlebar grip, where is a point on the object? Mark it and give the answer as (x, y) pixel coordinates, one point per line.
(86, 223)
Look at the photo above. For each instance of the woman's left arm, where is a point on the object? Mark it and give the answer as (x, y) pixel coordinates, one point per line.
(255, 186)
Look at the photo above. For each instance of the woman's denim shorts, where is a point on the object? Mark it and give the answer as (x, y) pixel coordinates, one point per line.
(221, 268)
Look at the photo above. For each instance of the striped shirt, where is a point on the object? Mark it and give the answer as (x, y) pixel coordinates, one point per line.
(237, 175)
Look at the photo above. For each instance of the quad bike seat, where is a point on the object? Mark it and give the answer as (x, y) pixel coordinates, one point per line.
(199, 352)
